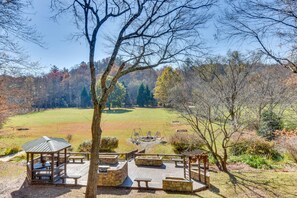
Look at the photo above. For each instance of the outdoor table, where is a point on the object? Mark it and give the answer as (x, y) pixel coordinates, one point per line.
(40, 166)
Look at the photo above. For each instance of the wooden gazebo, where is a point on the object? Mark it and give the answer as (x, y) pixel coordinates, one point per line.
(46, 159)
(197, 158)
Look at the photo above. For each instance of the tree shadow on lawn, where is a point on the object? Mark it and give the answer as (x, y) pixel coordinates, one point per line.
(27, 190)
(252, 186)
(117, 111)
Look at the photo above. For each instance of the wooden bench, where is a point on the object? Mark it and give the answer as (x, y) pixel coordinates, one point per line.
(73, 158)
(181, 130)
(178, 161)
(75, 177)
(146, 180)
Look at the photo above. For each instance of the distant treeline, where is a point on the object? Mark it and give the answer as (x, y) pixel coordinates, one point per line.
(61, 88)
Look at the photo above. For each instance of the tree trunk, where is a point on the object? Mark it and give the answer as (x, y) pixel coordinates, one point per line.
(94, 161)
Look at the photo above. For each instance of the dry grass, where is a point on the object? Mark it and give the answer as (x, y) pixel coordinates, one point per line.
(61, 122)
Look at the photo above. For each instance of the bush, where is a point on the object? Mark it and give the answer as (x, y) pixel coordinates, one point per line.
(255, 146)
(69, 138)
(12, 150)
(287, 141)
(185, 142)
(269, 123)
(85, 146)
(107, 144)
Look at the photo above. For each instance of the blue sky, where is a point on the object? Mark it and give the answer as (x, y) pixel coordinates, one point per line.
(61, 51)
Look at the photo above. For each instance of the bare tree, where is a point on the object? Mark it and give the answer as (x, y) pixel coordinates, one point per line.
(150, 33)
(269, 89)
(14, 27)
(213, 100)
(271, 24)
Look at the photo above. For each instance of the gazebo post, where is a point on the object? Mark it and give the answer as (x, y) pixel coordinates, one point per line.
(65, 161)
(58, 158)
(199, 168)
(52, 168)
(185, 167)
(32, 166)
(204, 160)
(190, 167)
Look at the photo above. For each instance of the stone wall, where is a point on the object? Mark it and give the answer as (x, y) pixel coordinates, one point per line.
(148, 161)
(195, 175)
(108, 159)
(177, 184)
(114, 176)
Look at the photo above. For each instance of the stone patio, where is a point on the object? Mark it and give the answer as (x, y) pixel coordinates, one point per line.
(157, 174)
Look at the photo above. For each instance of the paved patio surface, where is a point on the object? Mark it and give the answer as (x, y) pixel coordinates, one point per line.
(157, 174)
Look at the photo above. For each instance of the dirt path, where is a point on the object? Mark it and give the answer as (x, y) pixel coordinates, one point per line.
(9, 157)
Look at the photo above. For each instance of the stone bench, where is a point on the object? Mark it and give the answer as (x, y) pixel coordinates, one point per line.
(146, 180)
(148, 161)
(74, 158)
(75, 177)
(108, 159)
(177, 184)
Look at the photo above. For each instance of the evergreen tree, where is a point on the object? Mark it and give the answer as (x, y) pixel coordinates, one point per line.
(127, 101)
(84, 98)
(270, 122)
(147, 96)
(141, 96)
(117, 97)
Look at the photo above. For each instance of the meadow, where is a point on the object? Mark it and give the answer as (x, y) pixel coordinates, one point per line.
(118, 123)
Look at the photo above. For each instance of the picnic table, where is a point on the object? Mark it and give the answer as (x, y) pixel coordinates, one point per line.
(41, 166)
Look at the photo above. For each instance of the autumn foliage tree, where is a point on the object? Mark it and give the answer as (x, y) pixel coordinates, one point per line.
(164, 83)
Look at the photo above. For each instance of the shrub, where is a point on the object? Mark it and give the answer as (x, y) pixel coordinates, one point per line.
(185, 142)
(12, 150)
(85, 146)
(107, 144)
(255, 146)
(269, 123)
(287, 142)
(69, 138)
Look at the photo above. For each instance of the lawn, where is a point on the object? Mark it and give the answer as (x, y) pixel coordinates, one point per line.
(118, 123)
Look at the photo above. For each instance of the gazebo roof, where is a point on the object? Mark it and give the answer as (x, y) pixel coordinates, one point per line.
(194, 153)
(45, 145)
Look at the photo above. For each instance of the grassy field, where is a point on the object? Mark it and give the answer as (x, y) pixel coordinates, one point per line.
(118, 123)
